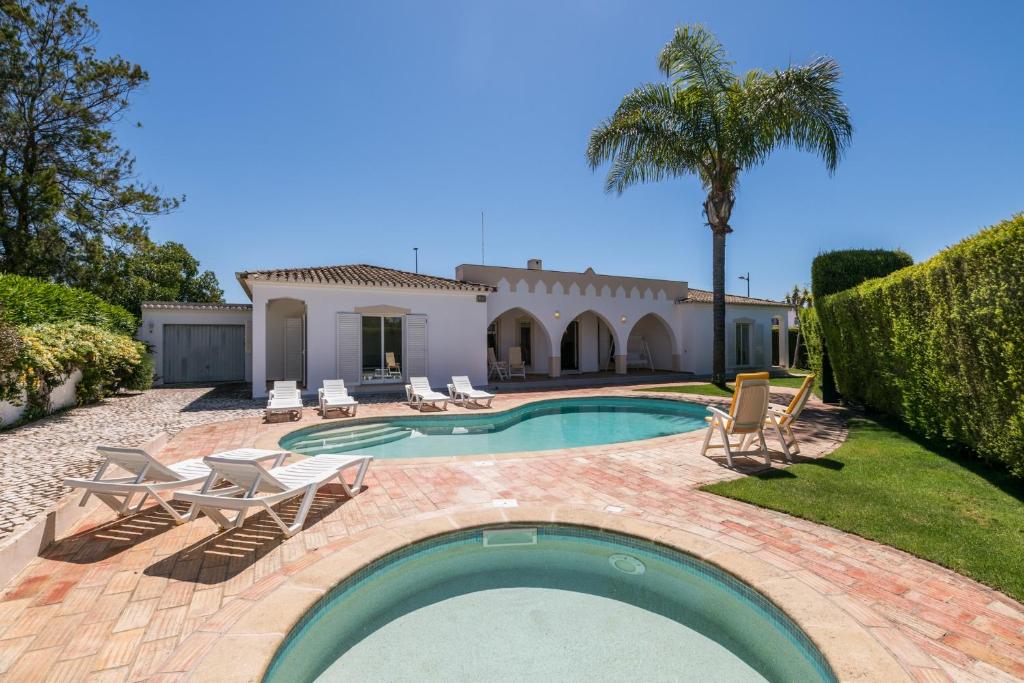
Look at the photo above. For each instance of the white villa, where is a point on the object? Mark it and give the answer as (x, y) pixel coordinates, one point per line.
(358, 322)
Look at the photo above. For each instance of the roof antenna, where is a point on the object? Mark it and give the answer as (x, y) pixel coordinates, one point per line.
(416, 251)
(482, 238)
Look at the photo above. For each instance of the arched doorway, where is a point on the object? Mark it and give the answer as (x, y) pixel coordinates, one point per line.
(518, 327)
(588, 344)
(651, 345)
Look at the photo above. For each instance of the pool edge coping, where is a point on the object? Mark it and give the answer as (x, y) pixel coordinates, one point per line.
(849, 647)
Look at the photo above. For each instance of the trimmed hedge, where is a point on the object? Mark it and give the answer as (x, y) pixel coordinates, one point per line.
(49, 352)
(810, 333)
(940, 345)
(835, 271)
(30, 301)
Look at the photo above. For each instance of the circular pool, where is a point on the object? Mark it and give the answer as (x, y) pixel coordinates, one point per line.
(548, 602)
(537, 426)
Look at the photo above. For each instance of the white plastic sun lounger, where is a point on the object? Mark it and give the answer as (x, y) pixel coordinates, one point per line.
(285, 388)
(149, 477)
(746, 418)
(286, 404)
(261, 488)
(334, 396)
(462, 391)
(419, 392)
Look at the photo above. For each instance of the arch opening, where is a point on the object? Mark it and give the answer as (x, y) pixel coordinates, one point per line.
(651, 345)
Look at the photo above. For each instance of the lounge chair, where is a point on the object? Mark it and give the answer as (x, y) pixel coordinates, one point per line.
(516, 366)
(393, 368)
(782, 418)
(334, 396)
(149, 477)
(257, 487)
(746, 418)
(285, 388)
(292, 405)
(495, 366)
(462, 391)
(418, 392)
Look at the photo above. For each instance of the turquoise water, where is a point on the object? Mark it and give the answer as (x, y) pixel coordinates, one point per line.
(540, 426)
(576, 604)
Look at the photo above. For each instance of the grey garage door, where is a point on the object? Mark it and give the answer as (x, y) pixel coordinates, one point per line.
(204, 353)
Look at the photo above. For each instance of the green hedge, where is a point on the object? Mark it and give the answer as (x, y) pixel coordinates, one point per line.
(30, 301)
(810, 335)
(835, 271)
(941, 344)
(46, 354)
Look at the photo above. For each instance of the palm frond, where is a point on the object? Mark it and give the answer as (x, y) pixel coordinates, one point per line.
(695, 57)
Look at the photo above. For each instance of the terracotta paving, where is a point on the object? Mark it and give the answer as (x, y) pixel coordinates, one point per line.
(141, 599)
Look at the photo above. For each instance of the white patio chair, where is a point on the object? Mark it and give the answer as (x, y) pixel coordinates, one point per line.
(285, 388)
(495, 366)
(292, 405)
(462, 391)
(516, 366)
(149, 477)
(782, 418)
(257, 487)
(334, 396)
(418, 392)
(746, 418)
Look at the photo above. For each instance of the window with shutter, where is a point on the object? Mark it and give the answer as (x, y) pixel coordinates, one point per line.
(416, 345)
(348, 351)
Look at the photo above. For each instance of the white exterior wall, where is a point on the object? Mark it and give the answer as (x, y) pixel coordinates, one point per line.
(619, 310)
(456, 328)
(698, 335)
(62, 396)
(151, 330)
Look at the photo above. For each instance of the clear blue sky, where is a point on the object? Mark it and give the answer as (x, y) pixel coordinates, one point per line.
(313, 133)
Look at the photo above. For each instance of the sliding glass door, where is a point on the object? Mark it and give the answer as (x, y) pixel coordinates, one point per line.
(382, 348)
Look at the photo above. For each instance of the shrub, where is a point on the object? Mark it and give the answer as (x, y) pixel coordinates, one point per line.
(835, 271)
(30, 301)
(49, 352)
(940, 344)
(810, 333)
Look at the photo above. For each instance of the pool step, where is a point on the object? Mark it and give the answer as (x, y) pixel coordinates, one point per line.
(347, 446)
(346, 435)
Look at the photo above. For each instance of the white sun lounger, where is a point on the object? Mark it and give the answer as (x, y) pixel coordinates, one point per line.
(261, 488)
(286, 404)
(418, 392)
(149, 477)
(285, 388)
(746, 418)
(462, 391)
(334, 396)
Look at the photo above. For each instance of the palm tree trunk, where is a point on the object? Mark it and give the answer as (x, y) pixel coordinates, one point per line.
(718, 304)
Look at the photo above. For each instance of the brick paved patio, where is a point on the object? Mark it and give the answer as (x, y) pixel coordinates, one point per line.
(140, 599)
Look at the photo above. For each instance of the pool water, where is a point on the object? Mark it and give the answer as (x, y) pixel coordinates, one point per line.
(540, 426)
(546, 603)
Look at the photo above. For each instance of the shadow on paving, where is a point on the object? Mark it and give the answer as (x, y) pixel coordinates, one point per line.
(226, 554)
(103, 542)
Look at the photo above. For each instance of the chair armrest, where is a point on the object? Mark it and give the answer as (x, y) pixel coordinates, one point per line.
(719, 412)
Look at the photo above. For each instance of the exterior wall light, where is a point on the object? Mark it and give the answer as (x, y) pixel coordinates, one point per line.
(558, 314)
(622, 319)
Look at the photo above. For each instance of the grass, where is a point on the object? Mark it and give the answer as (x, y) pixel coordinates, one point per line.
(884, 485)
(793, 381)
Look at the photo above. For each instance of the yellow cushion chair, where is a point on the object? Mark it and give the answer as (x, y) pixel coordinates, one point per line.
(746, 418)
(740, 379)
(782, 418)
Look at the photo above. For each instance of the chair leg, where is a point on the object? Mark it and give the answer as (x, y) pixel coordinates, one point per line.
(725, 444)
(707, 437)
(764, 448)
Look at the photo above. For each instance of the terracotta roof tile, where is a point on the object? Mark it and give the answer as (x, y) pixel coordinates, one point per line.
(192, 306)
(704, 296)
(364, 276)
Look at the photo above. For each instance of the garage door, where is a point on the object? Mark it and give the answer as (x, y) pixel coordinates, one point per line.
(204, 353)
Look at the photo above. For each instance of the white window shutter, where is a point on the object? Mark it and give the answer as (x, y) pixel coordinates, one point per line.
(757, 353)
(415, 345)
(348, 339)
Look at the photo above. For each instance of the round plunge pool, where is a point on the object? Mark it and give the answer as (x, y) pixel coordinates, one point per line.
(544, 603)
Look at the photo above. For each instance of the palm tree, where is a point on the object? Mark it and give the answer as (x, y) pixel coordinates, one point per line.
(798, 299)
(710, 123)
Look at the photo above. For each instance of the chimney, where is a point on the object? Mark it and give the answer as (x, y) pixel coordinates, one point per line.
(535, 264)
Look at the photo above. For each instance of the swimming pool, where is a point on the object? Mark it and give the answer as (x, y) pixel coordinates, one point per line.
(551, 602)
(539, 426)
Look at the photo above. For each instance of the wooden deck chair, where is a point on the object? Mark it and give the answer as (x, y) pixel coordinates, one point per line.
(746, 419)
(393, 368)
(261, 488)
(149, 477)
(782, 418)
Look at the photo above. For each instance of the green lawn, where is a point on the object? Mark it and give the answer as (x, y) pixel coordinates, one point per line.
(884, 485)
(793, 381)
